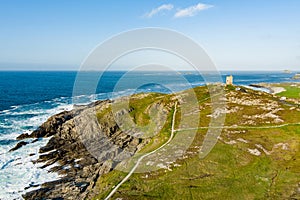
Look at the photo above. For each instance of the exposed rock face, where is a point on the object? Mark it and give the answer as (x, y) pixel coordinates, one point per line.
(80, 164)
(49, 128)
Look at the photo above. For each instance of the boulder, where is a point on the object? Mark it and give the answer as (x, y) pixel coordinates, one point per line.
(19, 145)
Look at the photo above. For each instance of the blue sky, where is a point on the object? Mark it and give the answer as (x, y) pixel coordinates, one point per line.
(238, 35)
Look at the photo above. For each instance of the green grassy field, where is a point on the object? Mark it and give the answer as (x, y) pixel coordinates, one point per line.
(291, 92)
(229, 171)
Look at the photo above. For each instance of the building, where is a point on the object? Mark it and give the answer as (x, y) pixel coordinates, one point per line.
(229, 80)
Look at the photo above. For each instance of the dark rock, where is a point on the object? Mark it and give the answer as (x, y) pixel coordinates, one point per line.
(256, 86)
(243, 90)
(36, 194)
(35, 140)
(50, 127)
(52, 184)
(23, 136)
(31, 186)
(65, 146)
(82, 185)
(19, 145)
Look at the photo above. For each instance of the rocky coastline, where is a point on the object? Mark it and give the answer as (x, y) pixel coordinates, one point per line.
(77, 167)
(82, 153)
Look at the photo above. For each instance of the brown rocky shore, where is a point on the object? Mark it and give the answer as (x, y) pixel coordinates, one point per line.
(69, 155)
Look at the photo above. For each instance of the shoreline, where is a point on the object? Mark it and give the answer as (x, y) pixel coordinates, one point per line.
(265, 85)
(275, 88)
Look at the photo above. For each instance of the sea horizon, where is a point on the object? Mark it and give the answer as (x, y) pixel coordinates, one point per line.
(29, 98)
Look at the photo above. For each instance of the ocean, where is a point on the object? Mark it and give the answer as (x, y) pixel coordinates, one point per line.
(27, 99)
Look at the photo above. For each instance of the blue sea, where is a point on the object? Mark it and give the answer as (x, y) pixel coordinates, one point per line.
(27, 99)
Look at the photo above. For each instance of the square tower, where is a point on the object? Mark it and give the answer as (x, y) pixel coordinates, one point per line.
(229, 80)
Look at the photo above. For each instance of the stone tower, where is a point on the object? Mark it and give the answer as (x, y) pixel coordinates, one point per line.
(229, 80)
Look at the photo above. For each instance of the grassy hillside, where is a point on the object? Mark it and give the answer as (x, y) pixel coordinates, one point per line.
(257, 155)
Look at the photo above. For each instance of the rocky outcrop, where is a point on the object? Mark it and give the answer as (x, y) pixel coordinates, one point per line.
(82, 149)
(297, 76)
(19, 145)
(49, 127)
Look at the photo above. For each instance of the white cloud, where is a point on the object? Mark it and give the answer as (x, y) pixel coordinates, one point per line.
(159, 9)
(192, 10)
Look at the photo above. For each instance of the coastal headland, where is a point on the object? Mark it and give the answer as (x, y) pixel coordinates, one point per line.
(256, 155)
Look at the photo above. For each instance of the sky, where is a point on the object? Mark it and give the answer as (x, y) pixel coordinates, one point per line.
(237, 35)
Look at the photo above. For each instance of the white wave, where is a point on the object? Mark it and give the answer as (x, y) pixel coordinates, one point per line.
(16, 168)
(262, 89)
(3, 125)
(18, 171)
(4, 111)
(29, 112)
(14, 107)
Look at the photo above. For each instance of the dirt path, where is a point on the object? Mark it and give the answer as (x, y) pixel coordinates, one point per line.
(142, 157)
(241, 127)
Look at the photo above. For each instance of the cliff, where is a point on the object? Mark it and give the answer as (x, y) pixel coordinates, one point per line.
(80, 169)
(255, 157)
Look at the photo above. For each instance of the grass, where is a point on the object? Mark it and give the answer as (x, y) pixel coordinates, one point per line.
(101, 114)
(291, 92)
(139, 107)
(106, 182)
(219, 176)
(161, 137)
(229, 171)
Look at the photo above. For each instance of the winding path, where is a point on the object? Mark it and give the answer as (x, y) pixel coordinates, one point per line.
(241, 127)
(142, 157)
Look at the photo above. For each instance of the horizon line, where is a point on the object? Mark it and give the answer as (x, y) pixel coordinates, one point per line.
(72, 70)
